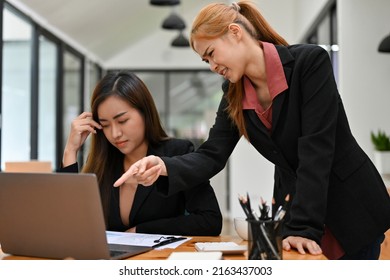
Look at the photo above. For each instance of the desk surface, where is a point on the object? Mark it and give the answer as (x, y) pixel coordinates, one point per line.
(189, 246)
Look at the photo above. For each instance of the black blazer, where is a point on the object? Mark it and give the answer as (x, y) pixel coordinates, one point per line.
(191, 212)
(317, 160)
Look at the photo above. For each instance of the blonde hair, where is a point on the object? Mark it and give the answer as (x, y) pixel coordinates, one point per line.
(213, 21)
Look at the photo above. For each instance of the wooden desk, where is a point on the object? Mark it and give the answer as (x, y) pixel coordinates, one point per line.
(189, 246)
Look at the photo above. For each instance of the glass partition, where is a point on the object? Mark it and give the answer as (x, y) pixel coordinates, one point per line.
(44, 87)
(48, 51)
(72, 86)
(194, 99)
(16, 88)
(93, 79)
(186, 101)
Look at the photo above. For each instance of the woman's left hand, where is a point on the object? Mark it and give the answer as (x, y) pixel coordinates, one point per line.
(301, 244)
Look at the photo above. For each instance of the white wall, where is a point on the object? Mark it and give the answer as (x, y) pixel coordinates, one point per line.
(364, 73)
(306, 12)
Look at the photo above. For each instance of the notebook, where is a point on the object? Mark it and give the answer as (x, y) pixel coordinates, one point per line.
(56, 216)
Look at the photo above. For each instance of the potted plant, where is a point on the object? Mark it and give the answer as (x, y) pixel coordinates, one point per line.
(381, 143)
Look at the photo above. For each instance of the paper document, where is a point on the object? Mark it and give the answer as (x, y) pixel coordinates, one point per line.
(143, 239)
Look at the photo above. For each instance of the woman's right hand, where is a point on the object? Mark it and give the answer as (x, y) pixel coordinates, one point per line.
(145, 171)
(81, 128)
(301, 244)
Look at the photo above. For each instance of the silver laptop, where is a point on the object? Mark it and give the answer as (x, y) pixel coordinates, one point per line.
(55, 215)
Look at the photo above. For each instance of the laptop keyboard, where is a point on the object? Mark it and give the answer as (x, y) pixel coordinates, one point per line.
(120, 251)
(115, 253)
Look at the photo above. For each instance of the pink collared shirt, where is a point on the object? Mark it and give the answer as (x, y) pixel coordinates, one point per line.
(276, 82)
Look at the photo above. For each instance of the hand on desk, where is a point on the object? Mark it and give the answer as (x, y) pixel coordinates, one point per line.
(301, 244)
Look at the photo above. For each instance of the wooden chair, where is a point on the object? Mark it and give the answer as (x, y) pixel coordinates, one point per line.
(28, 166)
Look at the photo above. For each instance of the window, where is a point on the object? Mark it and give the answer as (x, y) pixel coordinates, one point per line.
(42, 90)
(48, 52)
(16, 88)
(71, 99)
(324, 33)
(94, 77)
(186, 101)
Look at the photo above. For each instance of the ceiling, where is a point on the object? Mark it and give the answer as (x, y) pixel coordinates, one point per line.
(127, 34)
(105, 28)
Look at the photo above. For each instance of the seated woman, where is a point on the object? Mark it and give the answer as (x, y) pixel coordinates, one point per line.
(125, 127)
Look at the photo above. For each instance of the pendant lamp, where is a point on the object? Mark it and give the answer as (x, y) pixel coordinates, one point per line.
(164, 2)
(180, 41)
(174, 21)
(384, 45)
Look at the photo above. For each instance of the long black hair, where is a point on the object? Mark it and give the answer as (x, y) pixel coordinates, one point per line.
(103, 158)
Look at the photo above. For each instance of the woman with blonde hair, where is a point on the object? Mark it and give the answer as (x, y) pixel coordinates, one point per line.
(284, 100)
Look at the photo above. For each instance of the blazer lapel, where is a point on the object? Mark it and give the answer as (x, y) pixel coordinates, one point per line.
(286, 58)
(142, 192)
(254, 119)
(140, 196)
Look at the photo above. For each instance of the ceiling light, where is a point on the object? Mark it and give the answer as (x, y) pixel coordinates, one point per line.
(174, 21)
(164, 2)
(384, 46)
(180, 41)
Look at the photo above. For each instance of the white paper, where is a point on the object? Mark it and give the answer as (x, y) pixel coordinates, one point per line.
(141, 239)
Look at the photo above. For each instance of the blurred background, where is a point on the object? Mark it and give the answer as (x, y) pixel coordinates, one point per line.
(54, 52)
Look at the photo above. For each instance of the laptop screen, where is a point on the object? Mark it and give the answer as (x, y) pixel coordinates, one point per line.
(53, 215)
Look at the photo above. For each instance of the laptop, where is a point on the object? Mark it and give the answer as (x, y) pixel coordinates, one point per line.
(56, 216)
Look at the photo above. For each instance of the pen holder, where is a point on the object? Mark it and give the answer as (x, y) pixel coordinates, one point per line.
(264, 240)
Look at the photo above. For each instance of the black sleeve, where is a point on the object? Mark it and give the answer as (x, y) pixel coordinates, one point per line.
(202, 217)
(192, 169)
(202, 214)
(316, 146)
(73, 168)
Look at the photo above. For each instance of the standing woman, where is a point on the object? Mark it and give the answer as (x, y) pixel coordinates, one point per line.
(283, 99)
(125, 127)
